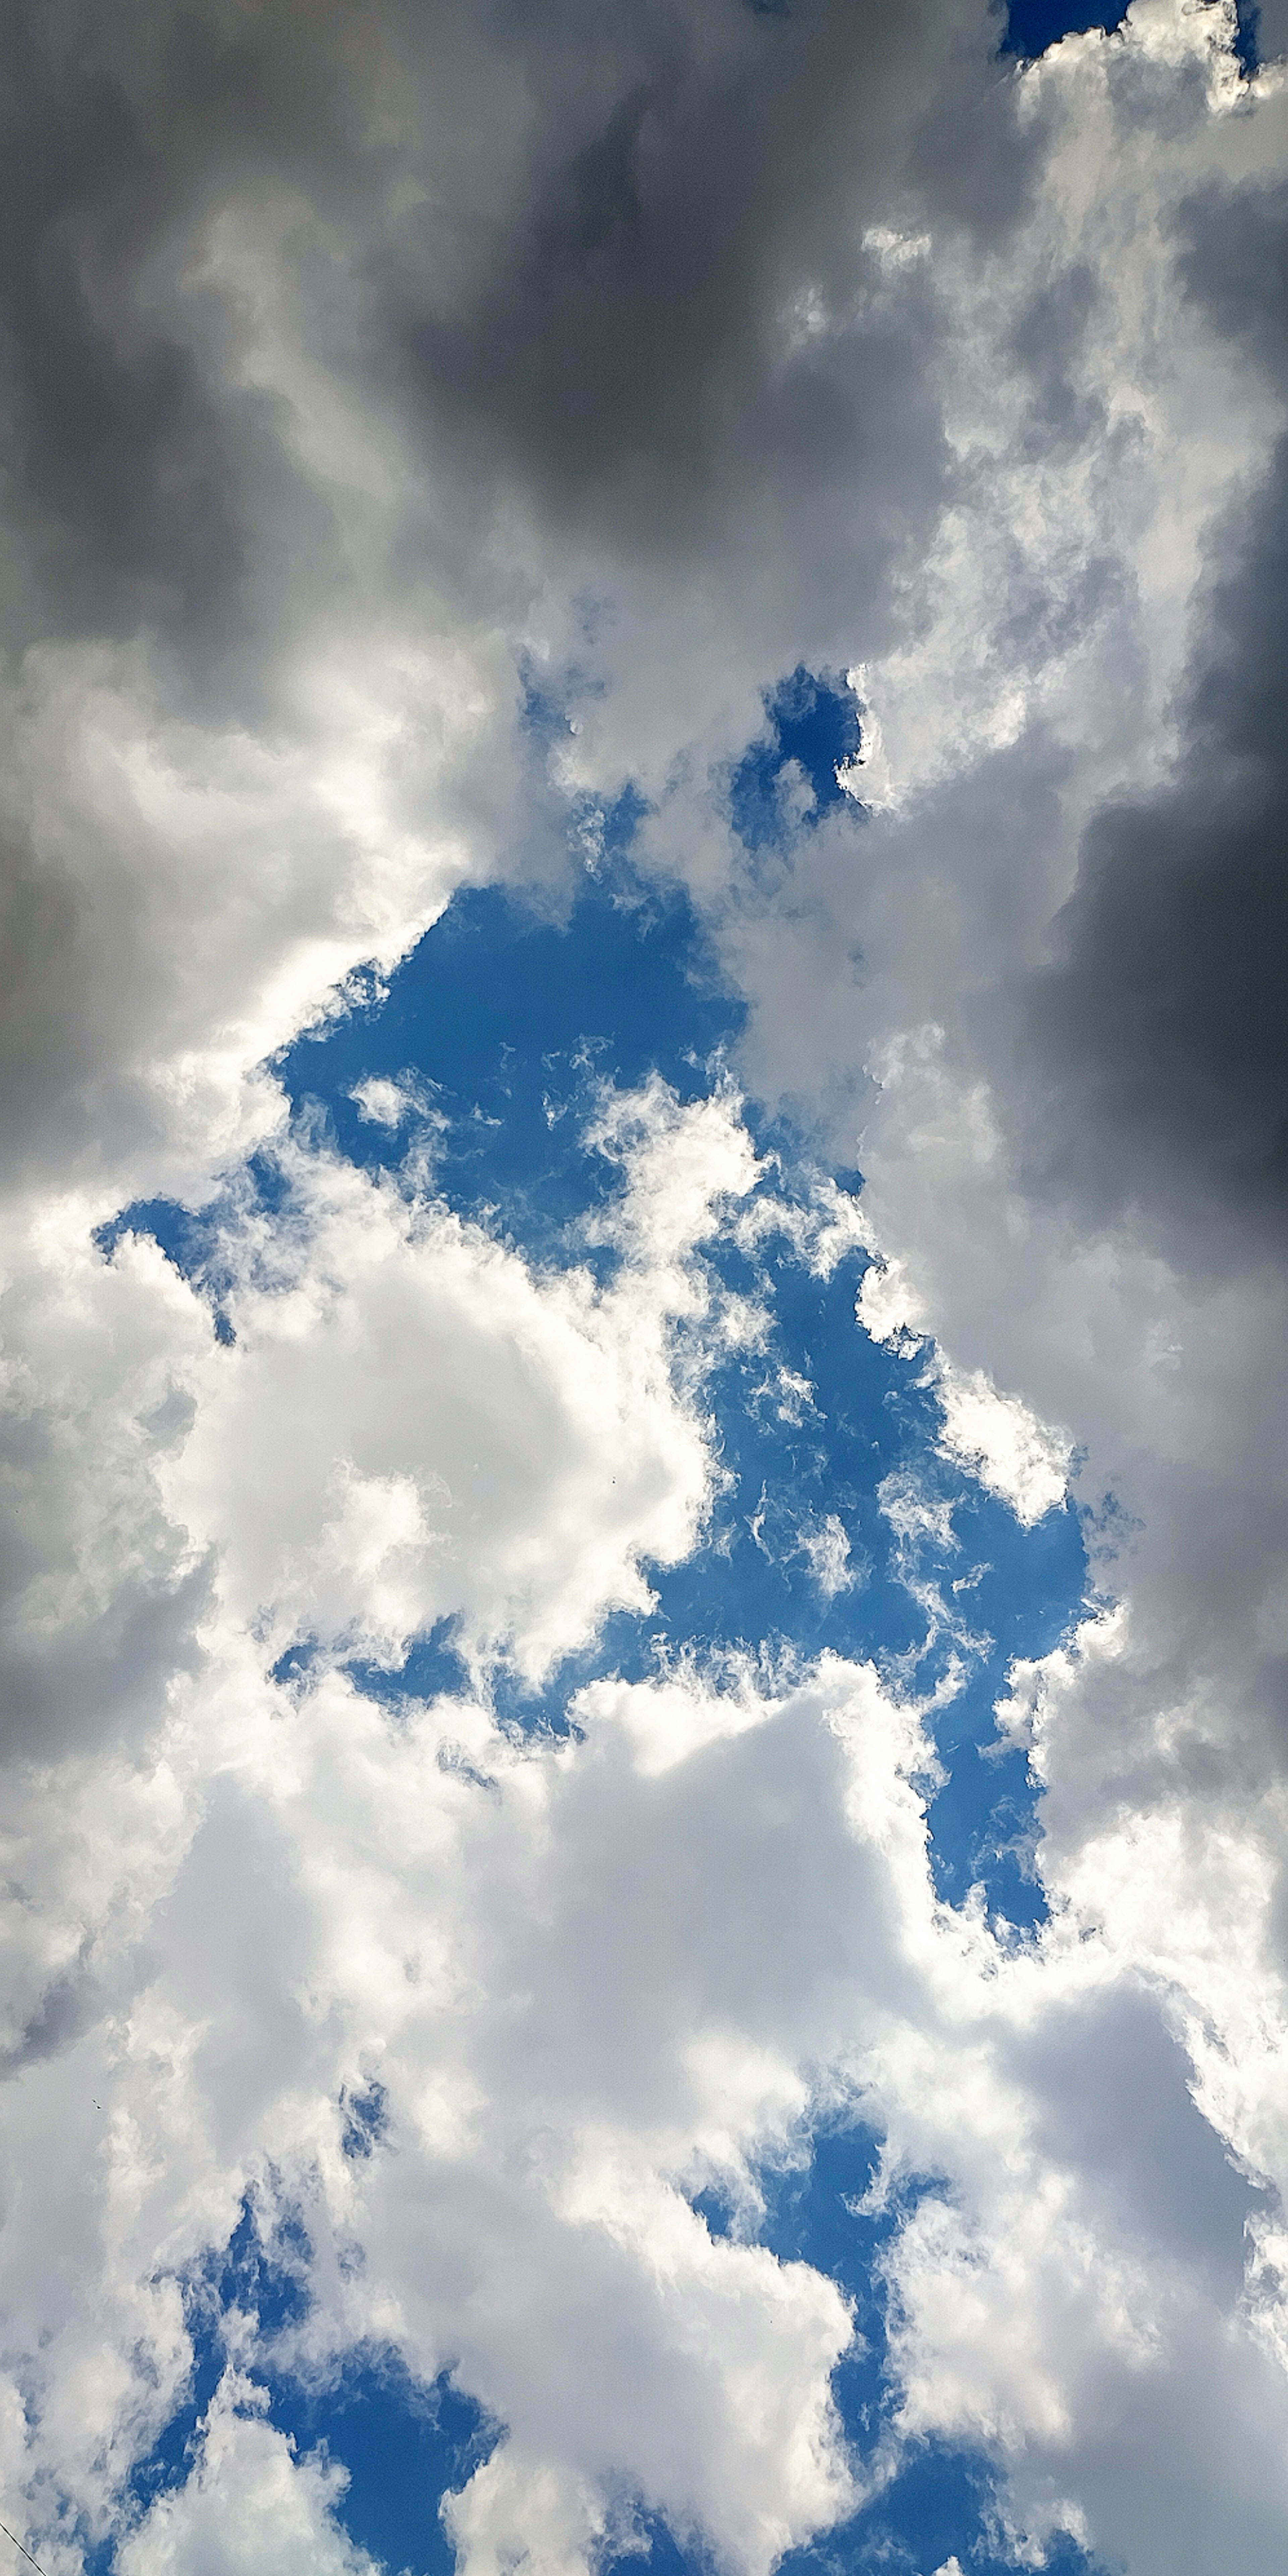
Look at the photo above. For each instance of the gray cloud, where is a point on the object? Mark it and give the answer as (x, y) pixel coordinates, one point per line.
(126, 487)
(625, 353)
(348, 356)
(566, 238)
(312, 335)
(1162, 1025)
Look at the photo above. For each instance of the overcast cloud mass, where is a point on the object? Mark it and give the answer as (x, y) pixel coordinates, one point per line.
(644, 1169)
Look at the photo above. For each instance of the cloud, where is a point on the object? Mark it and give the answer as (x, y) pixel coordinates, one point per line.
(247, 2503)
(386, 1104)
(523, 2215)
(325, 421)
(1012, 1453)
(1030, 995)
(103, 1588)
(411, 1427)
(1160, 1024)
(383, 403)
(590, 1977)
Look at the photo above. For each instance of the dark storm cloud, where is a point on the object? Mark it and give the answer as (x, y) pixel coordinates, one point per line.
(593, 277)
(1162, 1025)
(628, 352)
(116, 459)
(615, 207)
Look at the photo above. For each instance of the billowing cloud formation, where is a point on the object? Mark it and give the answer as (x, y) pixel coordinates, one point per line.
(349, 357)
(430, 436)
(1161, 1027)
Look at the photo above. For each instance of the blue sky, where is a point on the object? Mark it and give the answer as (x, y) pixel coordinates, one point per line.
(503, 1027)
(644, 1609)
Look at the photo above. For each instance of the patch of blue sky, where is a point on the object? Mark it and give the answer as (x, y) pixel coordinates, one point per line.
(1032, 25)
(403, 2445)
(499, 1030)
(787, 779)
(941, 2505)
(196, 1240)
(495, 1007)
(494, 1040)
(799, 1473)
(501, 1025)
(941, 2500)
(800, 1558)
(498, 1033)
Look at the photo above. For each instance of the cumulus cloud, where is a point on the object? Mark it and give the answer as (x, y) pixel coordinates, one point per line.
(416, 429)
(343, 380)
(414, 1904)
(410, 1426)
(1158, 1027)
(1035, 985)
(247, 2503)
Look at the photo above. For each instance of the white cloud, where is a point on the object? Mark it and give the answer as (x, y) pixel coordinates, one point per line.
(586, 1973)
(248, 2503)
(193, 894)
(394, 1910)
(1002, 1442)
(996, 1436)
(1157, 1741)
(594, 1974)
(413, 1426)
(826, 1544)
(382, 1103)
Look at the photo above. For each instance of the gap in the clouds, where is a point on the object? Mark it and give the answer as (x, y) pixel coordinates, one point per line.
(504, 1026)
(403, 2445)
(1247, 43)
(404, 2448)
(1023, 1586)
(788, 779)
(820, 2214)
(196, 1239)
(365, 2115)
(941, 2504)
(1033, 25)
(500, 1030)
(811, 1430)
(433, 1668)
(476, 1072)
(941, 2501)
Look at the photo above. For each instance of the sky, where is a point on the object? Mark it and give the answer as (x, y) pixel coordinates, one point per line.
(643, 1278)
